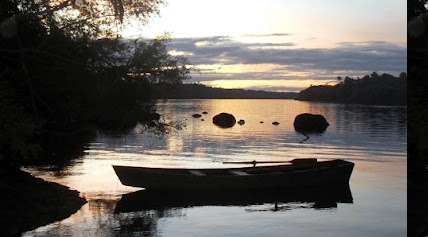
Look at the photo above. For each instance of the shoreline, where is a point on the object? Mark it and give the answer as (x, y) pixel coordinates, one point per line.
(350, 103)
(28, 202)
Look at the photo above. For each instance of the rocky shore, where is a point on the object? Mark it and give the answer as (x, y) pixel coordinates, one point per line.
(27, 202)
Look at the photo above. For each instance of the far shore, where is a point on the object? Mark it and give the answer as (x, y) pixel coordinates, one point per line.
(371, 89)
(199, 91)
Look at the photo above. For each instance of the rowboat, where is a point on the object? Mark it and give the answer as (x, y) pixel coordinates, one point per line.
(317, 198)
(298, 173)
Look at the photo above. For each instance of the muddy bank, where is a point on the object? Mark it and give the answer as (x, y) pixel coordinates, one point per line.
(27, 202)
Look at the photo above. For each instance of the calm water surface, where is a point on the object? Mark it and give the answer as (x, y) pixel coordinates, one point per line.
(373, 137)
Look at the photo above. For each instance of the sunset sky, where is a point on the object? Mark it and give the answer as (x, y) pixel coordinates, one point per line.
(281, 45)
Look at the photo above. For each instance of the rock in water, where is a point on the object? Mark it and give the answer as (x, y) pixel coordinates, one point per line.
(224, 120)
(196, 116)
(310, 123)
(241, 122)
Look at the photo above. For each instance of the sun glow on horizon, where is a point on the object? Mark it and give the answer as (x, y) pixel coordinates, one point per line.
(270, 85)
(238, 68)
(288, 44)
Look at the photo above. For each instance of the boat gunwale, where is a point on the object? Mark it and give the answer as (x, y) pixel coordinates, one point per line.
(227, 171)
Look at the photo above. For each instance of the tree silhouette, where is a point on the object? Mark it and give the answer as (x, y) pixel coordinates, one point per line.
(378, 89)
(64, 67)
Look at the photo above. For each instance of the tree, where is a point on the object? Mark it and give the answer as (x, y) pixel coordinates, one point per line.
(64, 67)
(415, 8)
(100, 16)
(403, 76)
(151, 62)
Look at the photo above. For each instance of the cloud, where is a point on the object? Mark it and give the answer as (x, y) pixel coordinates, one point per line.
(346, 56)
(268, 35)
(223, 58)
(218, 44)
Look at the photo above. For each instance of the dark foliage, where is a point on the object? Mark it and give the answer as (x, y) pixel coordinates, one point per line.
(375, 89)
(62, 73)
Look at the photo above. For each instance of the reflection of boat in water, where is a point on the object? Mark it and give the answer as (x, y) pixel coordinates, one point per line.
(163, 200)
(300, 173)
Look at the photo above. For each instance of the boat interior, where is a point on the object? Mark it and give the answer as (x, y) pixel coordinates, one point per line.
(297, 164)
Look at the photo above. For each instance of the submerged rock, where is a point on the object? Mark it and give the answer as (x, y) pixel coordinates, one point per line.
(224, 120)
(310, 123)
(275, 123)
(196, 115)
(241, 122)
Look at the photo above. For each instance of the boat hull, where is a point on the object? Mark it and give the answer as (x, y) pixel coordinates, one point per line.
(329, 173)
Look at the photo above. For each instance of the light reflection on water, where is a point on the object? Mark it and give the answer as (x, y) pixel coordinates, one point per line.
(373, 137)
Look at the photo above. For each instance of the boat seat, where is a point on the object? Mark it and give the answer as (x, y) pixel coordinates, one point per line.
(240, 173)
(197, 173)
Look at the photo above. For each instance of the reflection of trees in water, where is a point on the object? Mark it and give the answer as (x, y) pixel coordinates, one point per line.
(138, 213)
(174, 200)
(143, 223)
(140, 223)
(97, 218)
(372, 120)
(106, 223)
(141, 213)
(63, 149)
(137, 224)
(351, 123)
(357, 117)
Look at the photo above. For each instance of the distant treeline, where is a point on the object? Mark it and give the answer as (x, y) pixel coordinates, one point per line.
(199, 91)
(371, 89)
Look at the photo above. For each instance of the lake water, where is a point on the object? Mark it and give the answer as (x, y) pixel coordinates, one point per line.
(373, 137)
